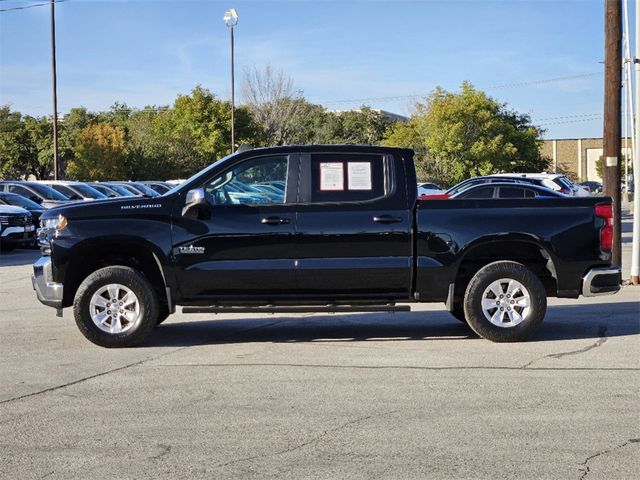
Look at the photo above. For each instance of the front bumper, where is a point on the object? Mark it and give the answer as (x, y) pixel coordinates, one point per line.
(48, 292)
(601, 281)
(17, 235)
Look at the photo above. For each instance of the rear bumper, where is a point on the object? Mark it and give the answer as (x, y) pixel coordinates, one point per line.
(48, 292)
(601, 281)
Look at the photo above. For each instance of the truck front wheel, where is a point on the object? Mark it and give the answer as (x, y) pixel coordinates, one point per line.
(115, 307)
(505, 302)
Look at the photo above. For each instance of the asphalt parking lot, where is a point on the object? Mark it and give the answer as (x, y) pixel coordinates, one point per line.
(403, 395)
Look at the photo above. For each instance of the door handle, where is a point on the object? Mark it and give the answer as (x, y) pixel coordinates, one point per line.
(387, 219)
(275, 221)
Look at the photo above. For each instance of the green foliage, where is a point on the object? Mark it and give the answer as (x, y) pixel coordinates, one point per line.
(100, 154)
(15, 144)
(459, 135)
(454, 135)
(600, 165)
(25, 145)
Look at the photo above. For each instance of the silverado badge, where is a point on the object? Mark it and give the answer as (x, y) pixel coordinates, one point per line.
(191, 250)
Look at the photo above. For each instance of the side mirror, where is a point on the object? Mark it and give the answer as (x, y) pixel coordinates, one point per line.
(194, 198)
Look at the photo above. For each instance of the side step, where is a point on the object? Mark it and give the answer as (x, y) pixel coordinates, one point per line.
(300, 309)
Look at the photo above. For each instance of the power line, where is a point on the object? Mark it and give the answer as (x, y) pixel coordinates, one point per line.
(573, 121)
(580, 115)
(11, 9)
(492, 87)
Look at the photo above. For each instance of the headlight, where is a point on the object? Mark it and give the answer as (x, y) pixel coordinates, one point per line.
(56, 223)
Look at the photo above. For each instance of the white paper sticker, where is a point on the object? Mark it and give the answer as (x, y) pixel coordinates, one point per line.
(612, 161)
(331, 176)
(359, 175)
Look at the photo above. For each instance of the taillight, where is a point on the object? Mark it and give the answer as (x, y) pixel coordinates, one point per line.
(606, 232)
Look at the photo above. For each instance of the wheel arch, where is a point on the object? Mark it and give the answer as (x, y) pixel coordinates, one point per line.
(525, 249)
(91, 255)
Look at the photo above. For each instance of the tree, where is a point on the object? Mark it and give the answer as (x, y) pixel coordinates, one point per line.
(148, 144)
(363, 127)
(600, 166)
(469, 133)
(100, 154)
(15, 145)
(201, 128)
(273, 102)
(40, 131)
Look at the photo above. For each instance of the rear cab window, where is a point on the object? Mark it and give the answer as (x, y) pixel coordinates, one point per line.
(347, 177)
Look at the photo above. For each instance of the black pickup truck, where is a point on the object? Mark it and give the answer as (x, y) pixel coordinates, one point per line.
(319, 228)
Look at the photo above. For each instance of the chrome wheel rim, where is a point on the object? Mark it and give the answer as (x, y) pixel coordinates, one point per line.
(506, 303)
(114, 308)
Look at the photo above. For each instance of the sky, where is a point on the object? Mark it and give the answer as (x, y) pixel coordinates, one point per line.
(540, 57)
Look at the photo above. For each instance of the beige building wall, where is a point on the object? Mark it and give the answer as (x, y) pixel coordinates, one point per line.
(574, 156)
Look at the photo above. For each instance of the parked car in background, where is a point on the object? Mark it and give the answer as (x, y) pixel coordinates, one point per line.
(429, 189)
(594, 187)
(38, 192)
(471, 182)
(75, 190)
(554, 181)
(16, 227)
(158, 186)
(506, 190)
(119, 189)
(16, 200)
(105, 190)
(137, 188)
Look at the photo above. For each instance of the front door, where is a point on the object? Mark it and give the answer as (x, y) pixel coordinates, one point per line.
(242, 242)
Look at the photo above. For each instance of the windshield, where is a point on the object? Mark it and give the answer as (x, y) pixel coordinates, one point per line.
(150, 192)
(201, 173)
(88, 192)
(121, 190)
(48, 193)
(20, 201)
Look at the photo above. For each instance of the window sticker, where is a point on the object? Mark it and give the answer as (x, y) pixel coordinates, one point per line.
(331, 176)
(359, 175)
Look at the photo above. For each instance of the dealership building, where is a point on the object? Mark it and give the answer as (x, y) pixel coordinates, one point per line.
(577, 156)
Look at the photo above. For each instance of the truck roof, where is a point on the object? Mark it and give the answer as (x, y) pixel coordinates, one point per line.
(327, 148)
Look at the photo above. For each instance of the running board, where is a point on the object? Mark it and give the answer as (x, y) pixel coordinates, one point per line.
(300, 309)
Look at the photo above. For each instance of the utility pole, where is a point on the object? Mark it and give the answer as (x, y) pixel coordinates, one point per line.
(55, 94)
(635, 245)
(612, 121)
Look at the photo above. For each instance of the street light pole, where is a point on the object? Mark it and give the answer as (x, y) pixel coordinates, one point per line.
(55, 94)
(231, 20)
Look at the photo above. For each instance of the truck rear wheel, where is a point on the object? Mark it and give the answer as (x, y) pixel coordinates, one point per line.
(505, 302)
(115, 307)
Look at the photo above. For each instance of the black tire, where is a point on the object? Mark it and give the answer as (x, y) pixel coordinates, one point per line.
(458, 312)
(138, 284)
(480, 283)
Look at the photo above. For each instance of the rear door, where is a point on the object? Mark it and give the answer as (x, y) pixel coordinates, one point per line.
(353, 226)
(242, 242)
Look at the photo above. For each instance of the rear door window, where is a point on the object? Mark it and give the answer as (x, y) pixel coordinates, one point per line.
(477, 193)
(510, 192)
(348, 177)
